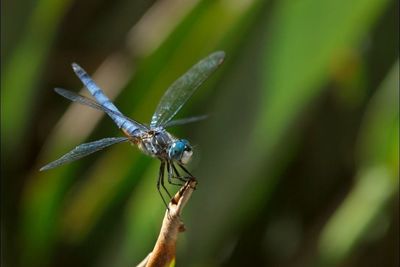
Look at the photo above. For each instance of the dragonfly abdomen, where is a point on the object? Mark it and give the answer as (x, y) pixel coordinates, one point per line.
(104, 101)
(94, 90)
(130, 129)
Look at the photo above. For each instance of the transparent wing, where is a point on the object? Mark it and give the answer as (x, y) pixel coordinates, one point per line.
(180, 91)
(74, 97)
(79, 98)
(185, 121)
(84, 150)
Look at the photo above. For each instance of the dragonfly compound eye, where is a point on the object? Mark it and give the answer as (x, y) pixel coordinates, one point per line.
(180, 150)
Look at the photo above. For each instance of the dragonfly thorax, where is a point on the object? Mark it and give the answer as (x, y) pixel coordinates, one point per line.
(161, 144)
(155, 143)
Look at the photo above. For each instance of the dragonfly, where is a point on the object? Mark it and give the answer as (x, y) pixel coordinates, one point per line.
(153, 139)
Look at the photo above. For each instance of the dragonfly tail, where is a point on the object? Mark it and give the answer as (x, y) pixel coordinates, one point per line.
(94, 90)
(103, 100)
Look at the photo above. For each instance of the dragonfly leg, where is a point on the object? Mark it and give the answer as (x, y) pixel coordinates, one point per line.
(162, 168)
(161, 178)
(171, 176)
(185, 178)
(180, 177)
(187, 172)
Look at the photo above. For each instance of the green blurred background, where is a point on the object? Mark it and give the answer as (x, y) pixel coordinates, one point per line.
(298, 163)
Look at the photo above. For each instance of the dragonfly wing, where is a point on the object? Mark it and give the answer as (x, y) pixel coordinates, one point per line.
(74, 97)
(180, 91)
(185, 121)
(84, 150)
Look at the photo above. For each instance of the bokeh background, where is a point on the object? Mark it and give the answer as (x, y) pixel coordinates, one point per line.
(298, 163)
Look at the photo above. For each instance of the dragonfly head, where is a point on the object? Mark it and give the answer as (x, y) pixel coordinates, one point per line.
(180, 150)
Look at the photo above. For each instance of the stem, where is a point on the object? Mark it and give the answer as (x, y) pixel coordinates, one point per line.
(164, 250)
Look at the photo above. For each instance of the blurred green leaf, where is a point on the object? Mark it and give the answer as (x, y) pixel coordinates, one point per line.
(22, 72)
(305, 37)
(377, 179)
(379, 136)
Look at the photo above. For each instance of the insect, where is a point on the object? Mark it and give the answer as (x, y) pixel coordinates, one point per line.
(151, 139)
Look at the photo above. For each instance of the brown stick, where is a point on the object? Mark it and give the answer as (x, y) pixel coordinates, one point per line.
(164, 251)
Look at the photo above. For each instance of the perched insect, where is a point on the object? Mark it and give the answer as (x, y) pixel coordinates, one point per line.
(153, 140)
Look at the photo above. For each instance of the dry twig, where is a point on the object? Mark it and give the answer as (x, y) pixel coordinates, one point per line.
(163, 253)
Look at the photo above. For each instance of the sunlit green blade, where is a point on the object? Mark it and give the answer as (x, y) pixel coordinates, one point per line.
(377, 180)
(180, 91)
(289, 83)
(21, 79)
(84, 150)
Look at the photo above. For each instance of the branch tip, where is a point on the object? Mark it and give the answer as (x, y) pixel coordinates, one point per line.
(164, 250)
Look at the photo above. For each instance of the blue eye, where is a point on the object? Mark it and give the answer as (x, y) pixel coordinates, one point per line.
(177, 148)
